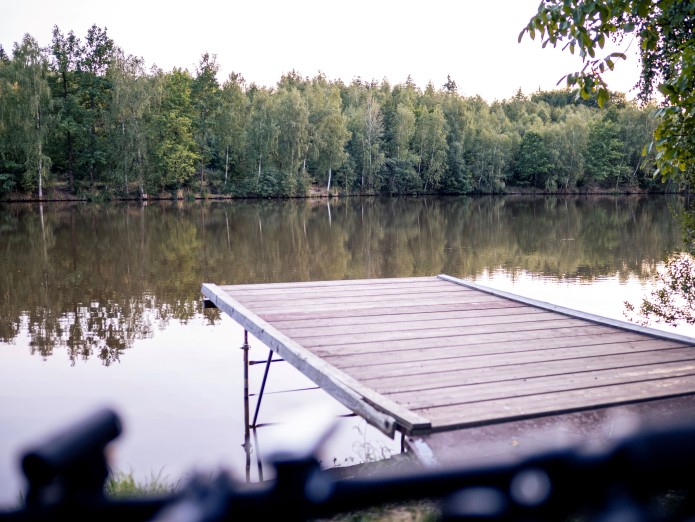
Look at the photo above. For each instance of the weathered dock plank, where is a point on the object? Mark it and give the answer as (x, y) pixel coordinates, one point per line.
(463, 385)
(428, 324)
(331, 284)
(408, 322)
(539, 336)
(391, 336)
(371, 302)
(455, 416)
(389, 365)
(342, 292)
(400, 311)
(424, 314)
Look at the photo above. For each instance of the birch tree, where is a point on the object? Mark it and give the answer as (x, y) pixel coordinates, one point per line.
(231, 124)
(373, 156)
(329, 128)
(431, 146)
(403, 177)
(30, 111)
(292, 119)
(9, 172)
(366, 126)
(127, 120)
(262, 134)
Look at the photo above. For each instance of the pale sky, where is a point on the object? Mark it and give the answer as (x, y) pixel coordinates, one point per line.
(475, 42)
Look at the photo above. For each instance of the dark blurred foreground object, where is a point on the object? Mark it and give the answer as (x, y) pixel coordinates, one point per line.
(624, 480)
(71, 466)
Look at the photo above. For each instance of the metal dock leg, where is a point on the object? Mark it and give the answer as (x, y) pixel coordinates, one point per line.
(247, 427)
(260, 395)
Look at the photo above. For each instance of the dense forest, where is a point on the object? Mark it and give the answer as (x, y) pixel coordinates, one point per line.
(83, 116)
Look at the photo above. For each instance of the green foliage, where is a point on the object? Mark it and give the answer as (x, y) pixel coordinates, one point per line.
(25, 107)
(429, 141)
(458, 177)
(175, 150)
(533, 166)
(666, 38)
(66, 52)
(231, 128)
(604, 159)
(262, 132)
(124, 486)
(94, 96)
(291, 115)
(402, 176)
(127, 123)
(205, 102)
(365, 123)
(7, 182)
(673, 301)
(329, 133)
(106, 121)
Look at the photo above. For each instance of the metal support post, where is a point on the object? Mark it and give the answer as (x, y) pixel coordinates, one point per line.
(258, 455)
(247, 433)
(260, 395)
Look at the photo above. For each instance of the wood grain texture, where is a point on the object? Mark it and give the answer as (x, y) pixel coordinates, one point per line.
(509, 409)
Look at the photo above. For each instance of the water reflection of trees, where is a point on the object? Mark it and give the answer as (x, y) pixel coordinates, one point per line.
(92, 279)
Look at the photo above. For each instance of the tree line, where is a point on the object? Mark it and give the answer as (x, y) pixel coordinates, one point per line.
(82, 114)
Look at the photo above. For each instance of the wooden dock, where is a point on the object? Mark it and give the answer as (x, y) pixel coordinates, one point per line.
(431, 354)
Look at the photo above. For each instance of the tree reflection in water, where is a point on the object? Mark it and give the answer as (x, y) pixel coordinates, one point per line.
(673, 299)
(92, 279)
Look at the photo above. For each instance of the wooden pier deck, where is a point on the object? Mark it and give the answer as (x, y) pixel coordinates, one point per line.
(430, 354)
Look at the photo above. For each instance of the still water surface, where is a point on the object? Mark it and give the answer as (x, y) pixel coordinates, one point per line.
(100, 305)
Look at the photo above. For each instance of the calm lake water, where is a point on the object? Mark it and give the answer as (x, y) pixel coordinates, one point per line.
(100, 305)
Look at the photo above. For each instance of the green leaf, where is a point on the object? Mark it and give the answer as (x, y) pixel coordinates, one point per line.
(602, 97)
(666, 90)
(586, 40)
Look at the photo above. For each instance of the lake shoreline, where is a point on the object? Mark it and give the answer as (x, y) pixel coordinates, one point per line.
(62, 196)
